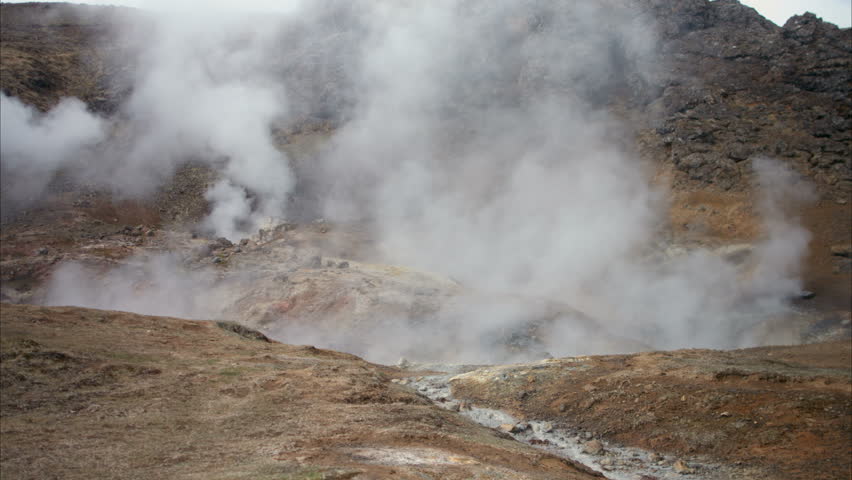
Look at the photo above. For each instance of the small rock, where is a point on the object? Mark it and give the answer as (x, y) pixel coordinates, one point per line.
(506, 427)
(593, 447)
(725, 414)
(343, 265)
(655, 457)
(244, 242)
(563, 407)
(315, 262)
(520, 427)
(544, 427)
(149, 233)
(218, 260)
(606, 462)
(682, 468)
(403, 363)
(454, 406)
(43, 251)
(841, 250)
(806, 294)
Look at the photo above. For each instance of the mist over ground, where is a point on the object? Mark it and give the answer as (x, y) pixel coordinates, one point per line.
(477, 139)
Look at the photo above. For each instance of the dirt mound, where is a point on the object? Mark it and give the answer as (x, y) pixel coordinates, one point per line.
(777, 412)
(117, 395)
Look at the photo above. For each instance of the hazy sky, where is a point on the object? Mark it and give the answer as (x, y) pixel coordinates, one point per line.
(836, 11)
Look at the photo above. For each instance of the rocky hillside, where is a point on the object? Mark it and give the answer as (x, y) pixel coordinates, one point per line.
(737, 85)
(725, 84)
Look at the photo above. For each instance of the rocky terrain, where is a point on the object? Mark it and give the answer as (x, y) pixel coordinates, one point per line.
(102, 393)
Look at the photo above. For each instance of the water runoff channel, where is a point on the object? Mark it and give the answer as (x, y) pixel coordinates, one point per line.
(614, 462)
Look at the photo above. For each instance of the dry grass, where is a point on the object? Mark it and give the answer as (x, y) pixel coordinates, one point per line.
(97, 394)
(125, 212)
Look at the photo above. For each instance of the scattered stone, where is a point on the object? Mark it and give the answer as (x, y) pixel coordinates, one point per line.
(514, 427)
(655, 457)
(725, 414)
(506, 427)
(544, 427)
(244, 242)
(242, 331)
(43, 251)
(842, 250)
(220, 243)
(218, 260)
(594, 447)
(682, 468)
(343, 265)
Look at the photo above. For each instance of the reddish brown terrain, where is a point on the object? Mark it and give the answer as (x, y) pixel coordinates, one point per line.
(100, 394)
(773, 412)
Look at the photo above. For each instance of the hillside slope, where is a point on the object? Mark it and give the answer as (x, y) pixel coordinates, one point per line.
(102, 394)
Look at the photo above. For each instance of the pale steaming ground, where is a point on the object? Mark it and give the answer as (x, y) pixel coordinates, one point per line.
(473, 135)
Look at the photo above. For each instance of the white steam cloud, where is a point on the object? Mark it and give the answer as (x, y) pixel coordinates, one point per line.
(33, 146)
(477, 140)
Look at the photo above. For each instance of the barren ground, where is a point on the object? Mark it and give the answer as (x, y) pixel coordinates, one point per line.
(100, 394)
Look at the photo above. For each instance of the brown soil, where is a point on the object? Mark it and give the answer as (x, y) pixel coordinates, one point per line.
(102, 394)
(716, 218)
(783, 412)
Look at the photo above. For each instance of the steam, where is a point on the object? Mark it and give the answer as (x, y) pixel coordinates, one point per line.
(152, 285)
(477, 139)
(34, 146)
(203, 91)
